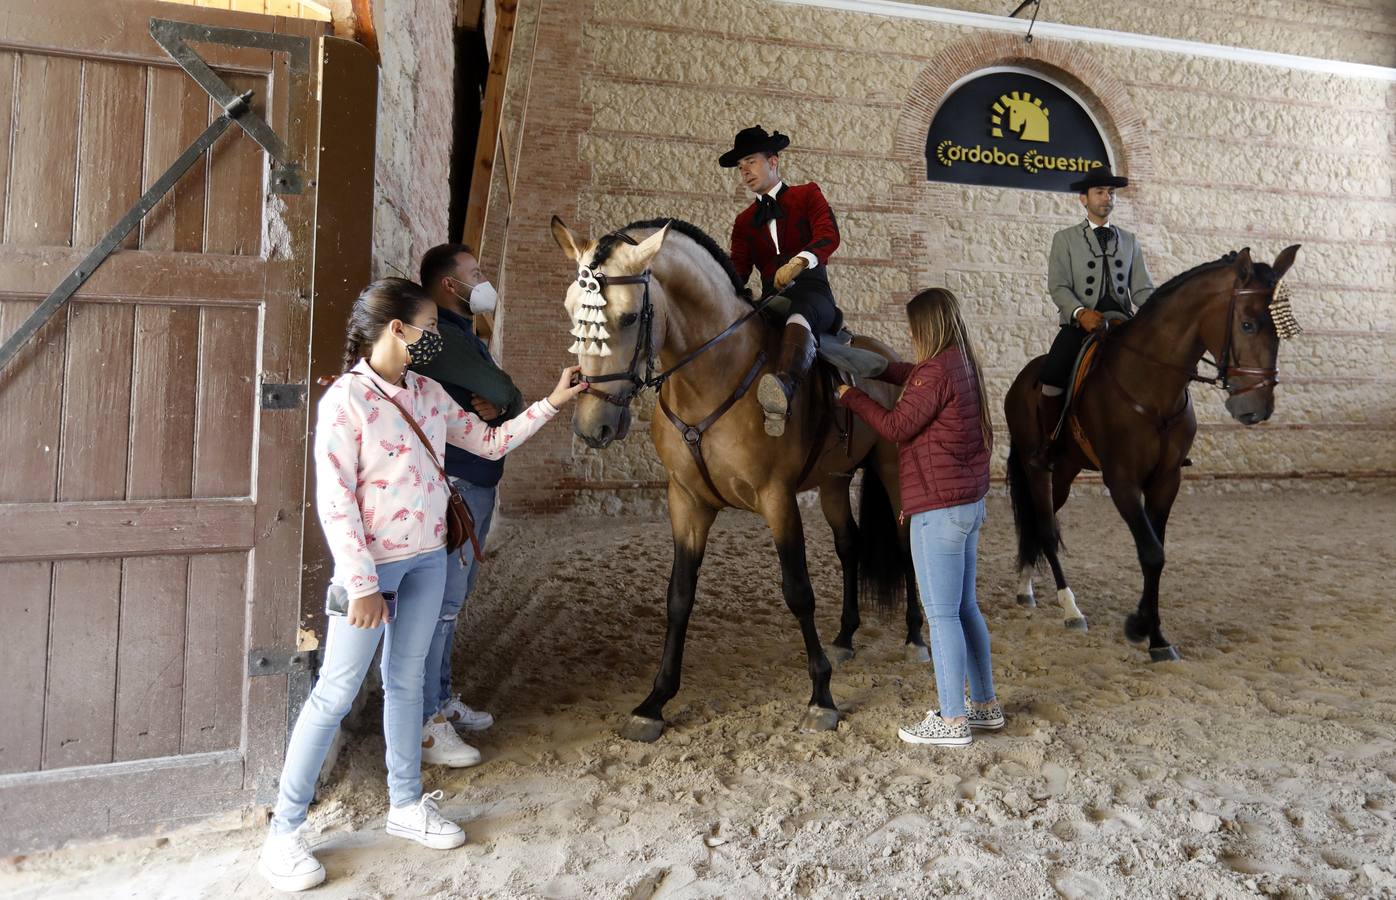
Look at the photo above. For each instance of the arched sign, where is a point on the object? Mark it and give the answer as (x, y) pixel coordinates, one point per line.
(1013, 128)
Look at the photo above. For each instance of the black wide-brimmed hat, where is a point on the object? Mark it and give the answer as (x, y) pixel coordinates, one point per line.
(752, 140)
(1101, 177)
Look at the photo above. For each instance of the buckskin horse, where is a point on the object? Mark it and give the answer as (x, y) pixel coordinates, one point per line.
(685, 308)
(1133, 420)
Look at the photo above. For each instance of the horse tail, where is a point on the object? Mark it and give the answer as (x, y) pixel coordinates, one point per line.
(881, 560)
(1032, 541)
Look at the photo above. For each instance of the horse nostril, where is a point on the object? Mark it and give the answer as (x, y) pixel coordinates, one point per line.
(603, 434)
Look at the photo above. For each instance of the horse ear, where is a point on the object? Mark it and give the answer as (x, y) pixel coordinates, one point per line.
(646, 249)
(566, 240)
(1285, 260)
(1243, 265)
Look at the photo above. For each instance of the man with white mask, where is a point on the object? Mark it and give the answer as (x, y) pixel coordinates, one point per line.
(451, 275)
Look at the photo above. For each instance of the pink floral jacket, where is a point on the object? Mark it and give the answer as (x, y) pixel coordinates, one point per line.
(379, 495)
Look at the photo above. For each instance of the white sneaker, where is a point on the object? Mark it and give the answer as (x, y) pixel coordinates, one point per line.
(464, 718)
(287, 863)
(935, 730)
(421, 822)
(988, 716)
(441, 746)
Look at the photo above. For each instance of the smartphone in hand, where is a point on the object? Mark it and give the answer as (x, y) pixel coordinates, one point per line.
(337, 602)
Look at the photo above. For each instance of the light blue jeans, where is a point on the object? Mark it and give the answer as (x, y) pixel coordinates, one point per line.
(348, 654)
(460, 581)
(944, 544)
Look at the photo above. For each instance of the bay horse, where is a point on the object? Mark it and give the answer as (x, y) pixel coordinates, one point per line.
(663, 290)
(1134, 420)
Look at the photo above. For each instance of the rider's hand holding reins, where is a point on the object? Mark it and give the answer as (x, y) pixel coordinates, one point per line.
(1090, 320)
(569, 385)
(788, 272)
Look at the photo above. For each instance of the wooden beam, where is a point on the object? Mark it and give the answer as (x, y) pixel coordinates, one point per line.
(468, 14)
(487, 145)
(126, 528)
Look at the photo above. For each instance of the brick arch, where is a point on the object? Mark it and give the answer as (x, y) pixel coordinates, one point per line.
(1072, 65)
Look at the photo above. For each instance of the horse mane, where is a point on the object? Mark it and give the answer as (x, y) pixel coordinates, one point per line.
(609, 242)
(1169, 287)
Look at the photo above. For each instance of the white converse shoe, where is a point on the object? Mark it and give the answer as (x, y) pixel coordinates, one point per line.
(988, 716)
(935, 730)
(421, 822)
(287, 863)
(463, 718)
(441, 746)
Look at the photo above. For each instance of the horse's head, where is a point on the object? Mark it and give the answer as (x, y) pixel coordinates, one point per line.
(613, 330)
(1244, 340)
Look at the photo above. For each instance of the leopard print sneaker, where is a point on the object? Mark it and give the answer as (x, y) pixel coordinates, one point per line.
(935, 730)
(988, 716)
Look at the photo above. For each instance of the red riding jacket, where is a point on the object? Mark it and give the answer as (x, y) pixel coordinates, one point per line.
(941, 454)
(807, 224)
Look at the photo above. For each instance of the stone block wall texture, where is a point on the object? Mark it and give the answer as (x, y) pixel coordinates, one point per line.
(618, 109)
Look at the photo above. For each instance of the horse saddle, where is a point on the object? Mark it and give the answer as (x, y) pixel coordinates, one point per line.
(835, 348)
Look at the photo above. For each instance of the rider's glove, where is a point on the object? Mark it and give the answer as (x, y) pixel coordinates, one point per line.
(786, 273)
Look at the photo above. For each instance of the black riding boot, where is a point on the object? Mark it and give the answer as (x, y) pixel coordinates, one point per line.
(776, 392)
(1049, 412)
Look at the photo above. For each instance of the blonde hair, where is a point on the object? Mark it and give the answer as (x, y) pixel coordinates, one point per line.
(936, 325)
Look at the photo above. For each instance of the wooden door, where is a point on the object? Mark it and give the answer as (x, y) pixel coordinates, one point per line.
(152, 475)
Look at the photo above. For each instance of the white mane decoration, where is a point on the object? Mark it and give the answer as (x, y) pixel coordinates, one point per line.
(588, 325)
(1286, 326)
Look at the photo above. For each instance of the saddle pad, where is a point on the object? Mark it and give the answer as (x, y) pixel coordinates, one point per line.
(848, 359)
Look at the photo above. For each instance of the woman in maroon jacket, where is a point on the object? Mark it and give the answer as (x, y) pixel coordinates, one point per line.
(941, 426)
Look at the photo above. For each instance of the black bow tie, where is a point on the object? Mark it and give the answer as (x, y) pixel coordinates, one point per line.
(768, 210)
(1102, 234)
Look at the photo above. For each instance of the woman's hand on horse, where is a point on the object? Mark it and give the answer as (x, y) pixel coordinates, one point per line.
(368, 612)
(569, 385)
(841, 390)
(1090, 320)
(787, 273)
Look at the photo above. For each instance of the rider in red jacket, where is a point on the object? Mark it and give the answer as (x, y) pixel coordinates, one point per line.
(788, 234)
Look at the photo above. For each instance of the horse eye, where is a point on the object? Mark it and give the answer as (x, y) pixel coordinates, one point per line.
(1248, 326)
(629, 319)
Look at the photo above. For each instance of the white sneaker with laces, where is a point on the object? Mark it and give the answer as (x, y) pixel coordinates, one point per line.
(422, 823)
(988, 716)
(441, 746)
(287, 863)
(463, 718)
(935, 730)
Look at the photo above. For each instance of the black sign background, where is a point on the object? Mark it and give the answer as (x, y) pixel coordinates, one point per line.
(961, 135)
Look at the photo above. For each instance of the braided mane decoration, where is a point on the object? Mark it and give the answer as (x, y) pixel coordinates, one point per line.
(1286, 326)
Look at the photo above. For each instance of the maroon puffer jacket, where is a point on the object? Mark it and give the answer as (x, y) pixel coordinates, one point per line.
(941, 453)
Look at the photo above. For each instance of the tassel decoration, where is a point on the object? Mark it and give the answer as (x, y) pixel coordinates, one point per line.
(576, 348)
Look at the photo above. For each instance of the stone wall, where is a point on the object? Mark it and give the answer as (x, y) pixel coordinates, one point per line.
(629, 102)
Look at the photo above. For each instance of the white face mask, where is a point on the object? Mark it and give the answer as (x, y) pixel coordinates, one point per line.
(483, 298)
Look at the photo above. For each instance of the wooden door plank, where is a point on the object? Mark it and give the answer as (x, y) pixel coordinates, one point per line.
(31, 392)
(215, 652)
(162, 402)
(80, 700)
(109, 149)
(24, 608)
(177, 112)
(141, 528)
(227, 402)
(44, 151)
(8, 64)
(97, 402)
(236, 175)
(150, 658)
(491, 114)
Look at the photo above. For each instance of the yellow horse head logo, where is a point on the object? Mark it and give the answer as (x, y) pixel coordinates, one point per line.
(1026, 116)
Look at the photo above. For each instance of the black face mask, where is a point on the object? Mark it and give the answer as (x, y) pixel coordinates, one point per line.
(426, 348)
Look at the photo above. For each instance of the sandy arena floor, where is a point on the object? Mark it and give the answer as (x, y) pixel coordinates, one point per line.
(1261, 765)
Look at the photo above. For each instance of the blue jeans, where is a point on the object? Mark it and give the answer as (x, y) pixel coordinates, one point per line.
(348, 654)
(460, 581)
(944, 544)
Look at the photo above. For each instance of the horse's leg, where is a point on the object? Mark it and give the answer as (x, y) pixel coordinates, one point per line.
(1159, 495)
(835, 500)
(1129, 500)
(916, 650)
(1063, 474)
(783, 516)
(690, 520)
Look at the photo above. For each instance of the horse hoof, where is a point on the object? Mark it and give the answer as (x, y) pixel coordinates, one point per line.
(917, 653)
(1027, 600)
(1136, 630)
(840, 655)
(1076, 624)
(820, 719)
(644, 730)
(1166, 653)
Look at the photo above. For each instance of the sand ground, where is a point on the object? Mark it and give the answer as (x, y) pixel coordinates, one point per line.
(1263, 764)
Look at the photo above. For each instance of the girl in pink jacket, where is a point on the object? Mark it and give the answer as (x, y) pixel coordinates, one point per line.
(382, 504)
